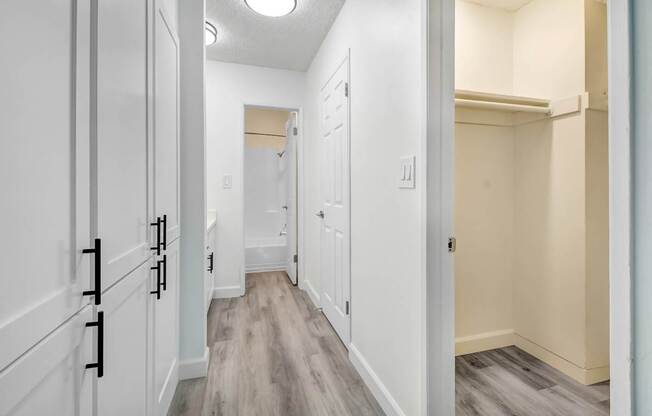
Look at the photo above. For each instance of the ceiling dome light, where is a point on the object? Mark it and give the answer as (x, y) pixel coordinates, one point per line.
(272, 8)
(210, 34)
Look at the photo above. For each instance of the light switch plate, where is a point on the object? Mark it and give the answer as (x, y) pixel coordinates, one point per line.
(407, 173)
(227, 182)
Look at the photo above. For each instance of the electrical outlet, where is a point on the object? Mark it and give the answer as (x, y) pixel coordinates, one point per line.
(407, 173)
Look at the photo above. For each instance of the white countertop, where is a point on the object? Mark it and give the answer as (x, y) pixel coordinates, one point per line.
(211, 219)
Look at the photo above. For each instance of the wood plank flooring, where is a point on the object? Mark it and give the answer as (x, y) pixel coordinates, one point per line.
(272, 353)
(509, 381)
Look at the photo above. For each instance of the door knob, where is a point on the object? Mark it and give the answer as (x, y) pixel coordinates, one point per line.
(320, 214)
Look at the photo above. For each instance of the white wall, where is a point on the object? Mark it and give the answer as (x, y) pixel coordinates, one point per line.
(385, 40)
(229, 87)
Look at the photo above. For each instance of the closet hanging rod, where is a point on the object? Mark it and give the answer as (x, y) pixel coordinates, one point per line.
(266, 134)
(492, 105)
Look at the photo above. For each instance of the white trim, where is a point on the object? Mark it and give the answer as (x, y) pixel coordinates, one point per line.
(373, 382)
(170, 386)
(227, 292)
(485, 341)
(312, 293)
(620, 207)
(270, 267)
(195, 368)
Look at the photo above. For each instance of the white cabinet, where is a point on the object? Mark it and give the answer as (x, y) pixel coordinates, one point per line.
(120, 192)
(210, 265)
(51, 378)
(165, 322)
(44, 168)
(122, 390)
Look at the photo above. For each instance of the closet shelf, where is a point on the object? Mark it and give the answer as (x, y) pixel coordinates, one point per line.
(498, 102)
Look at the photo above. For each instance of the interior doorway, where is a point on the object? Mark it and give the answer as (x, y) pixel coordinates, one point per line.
(530, 211)
(271, 224)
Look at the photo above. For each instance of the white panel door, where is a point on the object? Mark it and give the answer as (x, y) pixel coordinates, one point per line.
(44, 168)
(335, 238)
(122, 390)
(291, 177)
(165, 348)
(121, 187)
(51, 378)
(166, 124)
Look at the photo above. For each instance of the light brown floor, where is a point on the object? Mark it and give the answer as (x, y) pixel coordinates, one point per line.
(509, 381)
(273, 353)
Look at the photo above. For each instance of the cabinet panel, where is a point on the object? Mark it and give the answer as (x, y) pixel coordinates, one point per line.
(121, 187)
(44, 168)
(51, 378)
(165, 348)
(166, 122)
(123, 388)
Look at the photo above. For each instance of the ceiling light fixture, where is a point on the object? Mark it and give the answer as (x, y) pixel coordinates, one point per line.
(272, 8)
(210, 35)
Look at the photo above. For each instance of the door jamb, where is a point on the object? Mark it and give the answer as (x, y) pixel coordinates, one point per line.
(438, 144)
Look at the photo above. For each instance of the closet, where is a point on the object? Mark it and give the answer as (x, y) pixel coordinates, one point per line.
(531, 182)
(89, 307)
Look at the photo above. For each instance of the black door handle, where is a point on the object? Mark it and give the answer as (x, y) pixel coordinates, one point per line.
(97, 290)
(99, 364)
(157, 292)
(165, 232)
(157, 247)
(210, 265)
(165, 271)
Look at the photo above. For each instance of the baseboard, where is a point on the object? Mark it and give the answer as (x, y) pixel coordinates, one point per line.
(484, 342)
(377, 388)
(227, 292)
(581, 375)
(312, 293)
(195, 368)
(261, 268)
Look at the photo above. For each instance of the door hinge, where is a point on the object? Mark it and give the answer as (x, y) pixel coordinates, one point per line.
(346, 89)
(347, 307)
(452, 244)
(296, 258)
(295, 131)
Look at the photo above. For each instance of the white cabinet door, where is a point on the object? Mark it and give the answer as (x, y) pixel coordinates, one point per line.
(51, 378)
(44, 168)
(165, 345)
(210, 266)
(335, 238)
(123, 388)
(166, 124)
(120, 191)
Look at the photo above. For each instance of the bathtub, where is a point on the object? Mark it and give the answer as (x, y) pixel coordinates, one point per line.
(266, 254)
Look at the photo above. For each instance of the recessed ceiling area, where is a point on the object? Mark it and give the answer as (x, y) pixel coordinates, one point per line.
(287, 42)
(511, 5)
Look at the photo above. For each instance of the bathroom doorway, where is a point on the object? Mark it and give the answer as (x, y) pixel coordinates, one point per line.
(270, 191)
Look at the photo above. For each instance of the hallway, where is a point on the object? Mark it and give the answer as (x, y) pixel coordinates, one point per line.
(273, 353)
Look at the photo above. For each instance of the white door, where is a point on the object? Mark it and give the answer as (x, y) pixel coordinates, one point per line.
(335, 237)
(166, 125)
(52, 378)
(122, 390)
(121, 189)
(44, 168)
(165, 347)
(291, 177)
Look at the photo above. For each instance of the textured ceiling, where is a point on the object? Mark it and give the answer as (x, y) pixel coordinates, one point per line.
(288, 42)
(503, 4)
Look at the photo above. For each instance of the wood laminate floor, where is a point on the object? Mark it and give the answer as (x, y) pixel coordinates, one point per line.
(272, 353)
(508, 381)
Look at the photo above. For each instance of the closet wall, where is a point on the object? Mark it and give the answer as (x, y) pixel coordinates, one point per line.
(532, 221)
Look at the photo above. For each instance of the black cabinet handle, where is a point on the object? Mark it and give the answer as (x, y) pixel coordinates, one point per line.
(165, 232)
(100, 344)
(211, 257)
(157, 247)
(157, 292)
(97, 290)
(164, 262)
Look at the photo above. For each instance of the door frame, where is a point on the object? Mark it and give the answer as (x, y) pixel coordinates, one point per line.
(439, 305)
(300, 183)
